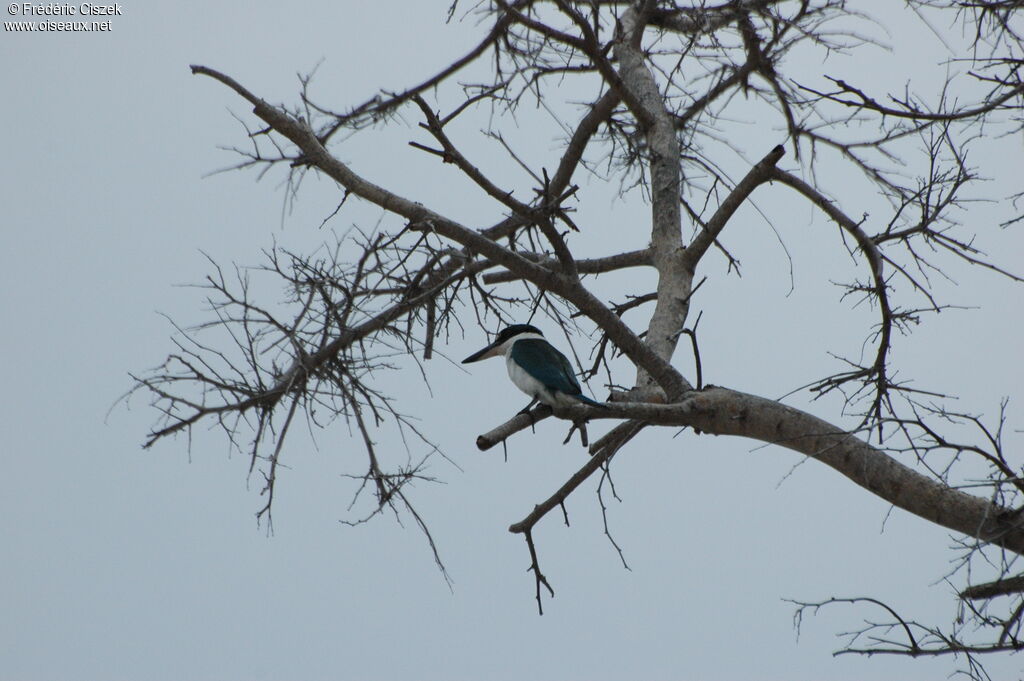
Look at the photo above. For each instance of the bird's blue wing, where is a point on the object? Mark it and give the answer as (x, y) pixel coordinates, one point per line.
(542, 361)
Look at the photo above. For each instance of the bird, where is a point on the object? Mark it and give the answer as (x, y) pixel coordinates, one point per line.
(536, 367)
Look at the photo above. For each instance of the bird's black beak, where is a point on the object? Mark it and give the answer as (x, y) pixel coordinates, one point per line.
(489, 351)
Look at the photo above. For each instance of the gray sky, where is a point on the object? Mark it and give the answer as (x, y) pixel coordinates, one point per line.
(121, 563)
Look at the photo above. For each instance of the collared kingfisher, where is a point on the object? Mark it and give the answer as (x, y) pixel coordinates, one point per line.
(536, 367)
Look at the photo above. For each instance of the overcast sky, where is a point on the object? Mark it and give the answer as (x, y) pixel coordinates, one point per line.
(123, 563)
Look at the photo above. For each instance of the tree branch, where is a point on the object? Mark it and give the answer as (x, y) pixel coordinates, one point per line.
(666, 232)
(755, 177)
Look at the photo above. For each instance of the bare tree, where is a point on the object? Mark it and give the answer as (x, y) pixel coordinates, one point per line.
(664, 79)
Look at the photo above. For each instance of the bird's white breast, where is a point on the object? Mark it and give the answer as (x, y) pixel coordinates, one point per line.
(525, 382)
(534, 388)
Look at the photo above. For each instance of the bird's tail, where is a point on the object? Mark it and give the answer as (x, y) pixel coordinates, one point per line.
(586, 400)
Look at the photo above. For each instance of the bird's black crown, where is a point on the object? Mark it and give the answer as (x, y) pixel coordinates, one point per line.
(515, 330)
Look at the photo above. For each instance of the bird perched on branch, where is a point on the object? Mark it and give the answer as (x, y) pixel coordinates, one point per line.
(536, 367)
